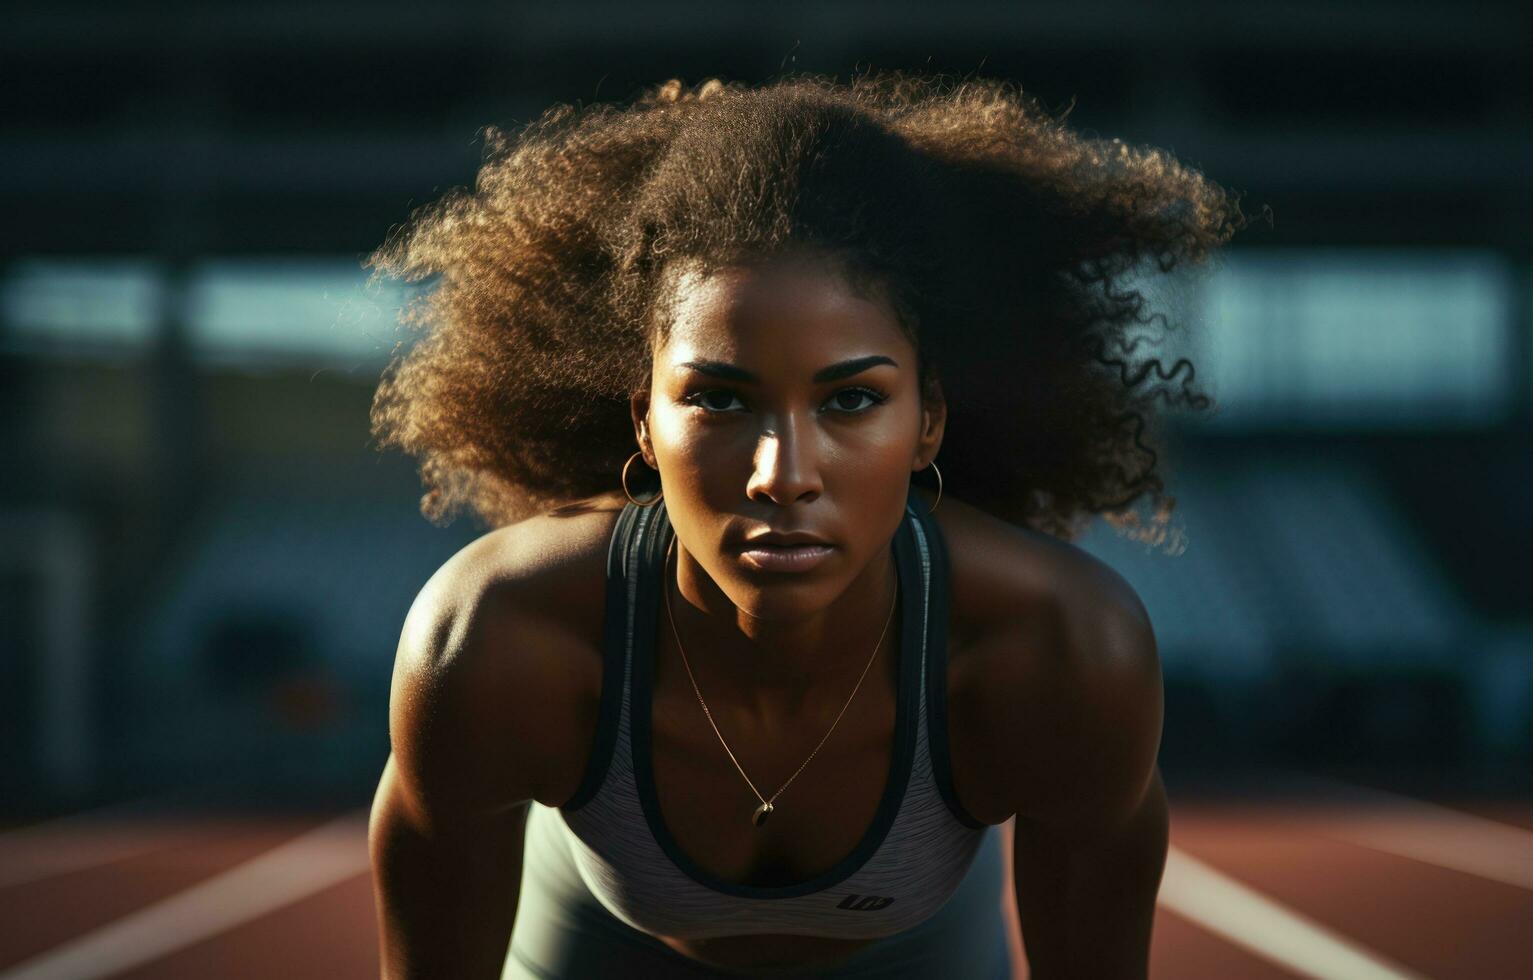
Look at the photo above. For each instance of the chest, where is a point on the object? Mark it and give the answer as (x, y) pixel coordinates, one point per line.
(707, 794)
(818, 818)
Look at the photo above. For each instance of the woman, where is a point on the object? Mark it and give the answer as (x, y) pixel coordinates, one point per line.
(723, 693)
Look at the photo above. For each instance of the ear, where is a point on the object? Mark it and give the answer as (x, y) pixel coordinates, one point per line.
(933, 423)
(638, 410)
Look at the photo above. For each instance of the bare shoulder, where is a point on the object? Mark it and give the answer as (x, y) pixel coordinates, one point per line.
(1003, 572)
(497, 678)
(1054, 683)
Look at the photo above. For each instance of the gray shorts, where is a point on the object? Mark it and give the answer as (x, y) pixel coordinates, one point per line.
(563, 932)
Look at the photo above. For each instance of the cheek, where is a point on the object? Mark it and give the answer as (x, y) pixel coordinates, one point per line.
(686, 447)
(703, 467)
(675, 434)
(881, 451)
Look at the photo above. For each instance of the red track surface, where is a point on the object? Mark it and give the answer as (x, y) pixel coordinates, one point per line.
(1422, 917)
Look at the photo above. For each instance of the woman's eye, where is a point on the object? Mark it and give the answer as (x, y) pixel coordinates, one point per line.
(851, 399)
(847, 401)
(714, 399)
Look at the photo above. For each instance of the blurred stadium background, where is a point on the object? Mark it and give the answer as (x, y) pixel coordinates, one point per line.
(204, 564)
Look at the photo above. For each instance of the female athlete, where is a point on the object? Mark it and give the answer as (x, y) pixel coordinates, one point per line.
(743, 681)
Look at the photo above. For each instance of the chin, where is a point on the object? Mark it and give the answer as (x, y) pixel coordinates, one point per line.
(783, 601)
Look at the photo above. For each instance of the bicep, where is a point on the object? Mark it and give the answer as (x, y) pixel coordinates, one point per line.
(1086, 750)
(477, 716)
(446, 894)
(1122, 718)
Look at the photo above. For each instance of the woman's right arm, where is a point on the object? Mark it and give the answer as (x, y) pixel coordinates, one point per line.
(475, 719)
(446, 892)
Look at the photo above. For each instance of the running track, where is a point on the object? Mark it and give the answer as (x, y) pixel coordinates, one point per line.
(1352, 884)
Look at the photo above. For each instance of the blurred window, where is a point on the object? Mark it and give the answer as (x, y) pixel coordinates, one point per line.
(1332, 338)
(80, 305)
(314, 311)
(246, 311)
(284, 309)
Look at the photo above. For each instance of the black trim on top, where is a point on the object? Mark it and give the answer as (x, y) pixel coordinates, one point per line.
(614, 640)
(936, 665)
(651, 567)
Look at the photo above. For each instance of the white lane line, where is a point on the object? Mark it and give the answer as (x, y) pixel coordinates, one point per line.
(325, 856)
(1432, 834)
(1247, 918)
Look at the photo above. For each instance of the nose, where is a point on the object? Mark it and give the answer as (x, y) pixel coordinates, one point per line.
(785, 468)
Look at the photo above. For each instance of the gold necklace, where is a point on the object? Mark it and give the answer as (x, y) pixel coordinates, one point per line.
(759, 817)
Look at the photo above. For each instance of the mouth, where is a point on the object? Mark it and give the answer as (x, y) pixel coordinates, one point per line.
(767, 557)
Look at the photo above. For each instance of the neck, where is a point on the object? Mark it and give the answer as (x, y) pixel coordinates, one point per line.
(781, 668)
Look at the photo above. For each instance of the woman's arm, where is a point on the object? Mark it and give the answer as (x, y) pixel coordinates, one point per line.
(446, 890)
(480, 723)
(1078, 719)
(1087, 907)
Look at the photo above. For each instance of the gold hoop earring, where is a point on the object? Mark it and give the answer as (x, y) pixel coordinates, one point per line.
(933, 508)
(624, 481)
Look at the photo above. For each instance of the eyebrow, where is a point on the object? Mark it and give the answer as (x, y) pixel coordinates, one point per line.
(834, 372)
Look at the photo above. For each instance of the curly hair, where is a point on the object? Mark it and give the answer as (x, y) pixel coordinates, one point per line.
(1004, 242)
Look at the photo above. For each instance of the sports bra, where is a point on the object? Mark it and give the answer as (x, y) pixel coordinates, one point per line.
(912, 856)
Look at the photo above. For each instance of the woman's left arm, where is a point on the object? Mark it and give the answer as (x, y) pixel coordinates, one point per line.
(1092, 824)
(1087, 907)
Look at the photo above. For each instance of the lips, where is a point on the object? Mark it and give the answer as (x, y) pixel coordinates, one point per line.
(784, 558)
(783, 539)
(781, 549)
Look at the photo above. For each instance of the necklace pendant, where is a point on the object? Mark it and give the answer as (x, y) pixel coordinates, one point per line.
(761, 814)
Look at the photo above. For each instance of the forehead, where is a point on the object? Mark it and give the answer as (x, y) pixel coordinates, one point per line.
(786, 310)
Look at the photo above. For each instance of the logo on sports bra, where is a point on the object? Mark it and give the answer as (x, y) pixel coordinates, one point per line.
(864, 903)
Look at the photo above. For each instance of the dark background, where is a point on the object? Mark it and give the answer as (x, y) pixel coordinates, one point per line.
(204, 564)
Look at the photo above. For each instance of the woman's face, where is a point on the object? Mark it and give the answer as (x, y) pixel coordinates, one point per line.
(782, 400)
